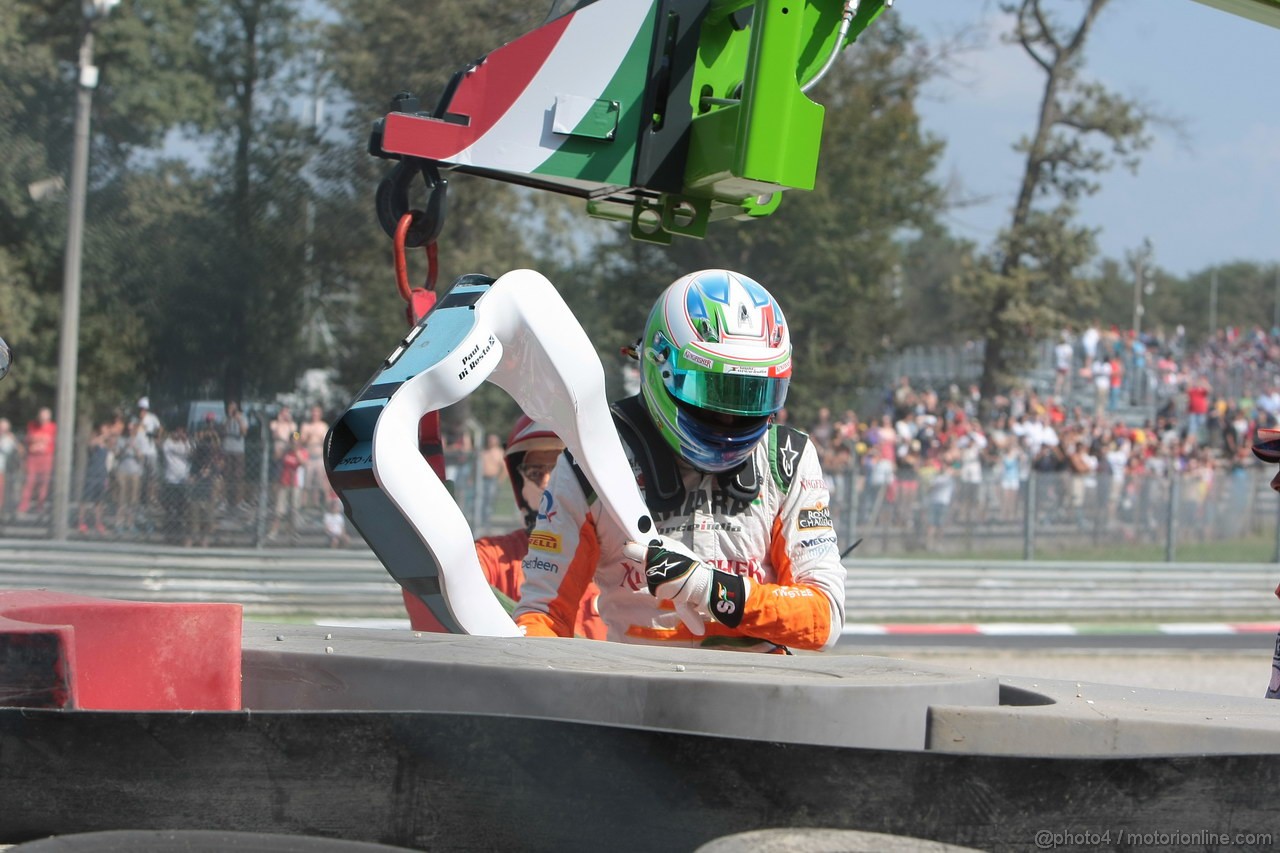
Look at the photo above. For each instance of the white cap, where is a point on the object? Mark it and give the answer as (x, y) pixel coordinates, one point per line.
(144, 403)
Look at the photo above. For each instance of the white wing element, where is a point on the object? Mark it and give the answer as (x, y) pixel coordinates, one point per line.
(526, 341)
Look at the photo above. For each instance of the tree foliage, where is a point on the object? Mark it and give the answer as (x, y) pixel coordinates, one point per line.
(1030, 279)
(232, 241)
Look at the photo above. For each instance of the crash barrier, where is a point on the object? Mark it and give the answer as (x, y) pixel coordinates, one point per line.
(70, 651)
(476, 743)
(897, 515)
(353, 583)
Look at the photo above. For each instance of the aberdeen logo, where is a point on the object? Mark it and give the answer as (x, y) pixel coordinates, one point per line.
(540, 565)
(814, 518)
(540, 540)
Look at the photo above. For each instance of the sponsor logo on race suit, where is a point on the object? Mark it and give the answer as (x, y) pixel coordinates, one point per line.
(534, 563)
(744, 568)
(718, 502)
(633, 576)
(546, 505)
(787, 455)
(541, 540)
(814, 518)
(666, 566)
(702, 524)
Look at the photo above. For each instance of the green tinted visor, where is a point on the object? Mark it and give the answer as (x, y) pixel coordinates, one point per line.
(732, 393)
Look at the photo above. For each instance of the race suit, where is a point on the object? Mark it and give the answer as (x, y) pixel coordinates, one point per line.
(768, 520)
(500, 558)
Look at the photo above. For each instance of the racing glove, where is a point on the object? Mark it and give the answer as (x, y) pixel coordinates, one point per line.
(698, 592)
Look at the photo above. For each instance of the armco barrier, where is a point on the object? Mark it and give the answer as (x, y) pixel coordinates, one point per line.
(351, 582)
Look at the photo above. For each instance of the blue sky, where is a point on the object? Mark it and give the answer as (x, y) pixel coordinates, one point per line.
(1209, 198)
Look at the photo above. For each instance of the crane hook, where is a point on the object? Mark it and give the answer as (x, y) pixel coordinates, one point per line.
(392, 201)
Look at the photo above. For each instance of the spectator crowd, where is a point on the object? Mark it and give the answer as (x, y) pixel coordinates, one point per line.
(1097, 442)
(179, 482)
(1100, 444)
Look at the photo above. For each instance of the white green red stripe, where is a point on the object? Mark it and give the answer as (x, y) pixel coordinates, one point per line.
(602, 51)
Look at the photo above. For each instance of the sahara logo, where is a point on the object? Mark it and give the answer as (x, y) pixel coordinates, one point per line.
(814, 517)
(541, 540)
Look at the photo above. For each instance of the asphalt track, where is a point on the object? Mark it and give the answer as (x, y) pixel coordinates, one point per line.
(1224, 664)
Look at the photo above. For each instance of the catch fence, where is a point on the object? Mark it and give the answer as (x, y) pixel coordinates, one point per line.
(1039, 515)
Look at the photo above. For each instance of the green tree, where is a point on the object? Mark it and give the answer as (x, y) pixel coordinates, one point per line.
(932, 261)
(1024, 287)
(145, 87)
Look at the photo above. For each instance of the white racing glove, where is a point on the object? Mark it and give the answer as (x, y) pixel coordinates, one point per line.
(698, 592)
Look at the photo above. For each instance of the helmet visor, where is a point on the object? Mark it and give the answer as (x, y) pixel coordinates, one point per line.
(732, 393)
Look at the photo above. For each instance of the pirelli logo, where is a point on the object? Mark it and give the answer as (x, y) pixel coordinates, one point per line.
(542, 541)
(814, 518)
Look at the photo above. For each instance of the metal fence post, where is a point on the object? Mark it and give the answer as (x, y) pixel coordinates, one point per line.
(847, 491)
(477, 476)
(264, 489)
(1171, 524)
(854, 493)
(1275, 557)
(1029, 516)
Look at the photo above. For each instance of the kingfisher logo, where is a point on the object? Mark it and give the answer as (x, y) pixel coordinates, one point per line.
(536, 564)
(814, 518)
(702, 360)
(540, 540)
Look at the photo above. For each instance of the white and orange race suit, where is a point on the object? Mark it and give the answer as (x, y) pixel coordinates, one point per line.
(768, 520)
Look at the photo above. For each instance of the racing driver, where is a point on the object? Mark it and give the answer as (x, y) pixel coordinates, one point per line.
(746, 557)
